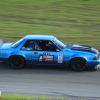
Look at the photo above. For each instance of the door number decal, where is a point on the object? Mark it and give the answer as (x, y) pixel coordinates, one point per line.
(46, 57)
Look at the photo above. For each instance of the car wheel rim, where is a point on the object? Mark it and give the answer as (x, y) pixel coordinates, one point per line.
(16, 62)
(78, 64)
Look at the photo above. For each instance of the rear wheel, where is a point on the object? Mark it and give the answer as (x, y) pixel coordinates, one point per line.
(17, 62)
(78, 64)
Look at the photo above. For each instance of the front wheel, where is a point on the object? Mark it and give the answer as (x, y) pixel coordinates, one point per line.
(78, 64)
(17, 62)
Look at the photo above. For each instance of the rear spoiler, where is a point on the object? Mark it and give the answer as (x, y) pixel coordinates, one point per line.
(1, 42)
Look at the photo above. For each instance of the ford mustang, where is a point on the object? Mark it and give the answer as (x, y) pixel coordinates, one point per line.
(48, 50)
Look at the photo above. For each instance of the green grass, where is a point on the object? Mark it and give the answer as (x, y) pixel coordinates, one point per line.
(71, 21)
(20, 97)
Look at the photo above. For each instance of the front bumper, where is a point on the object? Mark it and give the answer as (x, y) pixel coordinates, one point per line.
(94, 64)
(97, 66)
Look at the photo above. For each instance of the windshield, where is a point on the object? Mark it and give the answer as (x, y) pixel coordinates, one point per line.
(59, 43)
(1, 42)
(16, 44)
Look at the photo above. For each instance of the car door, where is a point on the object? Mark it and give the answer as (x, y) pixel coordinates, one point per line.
(27, 50)
(50, 55)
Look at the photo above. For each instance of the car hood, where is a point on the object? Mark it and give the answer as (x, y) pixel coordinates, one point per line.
(6, 45)
(82, 48)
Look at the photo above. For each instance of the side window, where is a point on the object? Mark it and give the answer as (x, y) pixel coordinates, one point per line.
(28, 45)
(45, 46)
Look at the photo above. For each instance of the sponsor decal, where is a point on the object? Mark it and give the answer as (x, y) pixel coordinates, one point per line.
(0, 94)
(60, 58)
(40, 57)
(46, 57)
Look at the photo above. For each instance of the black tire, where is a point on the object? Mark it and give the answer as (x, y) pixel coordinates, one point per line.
(78, 64)
(16, 62)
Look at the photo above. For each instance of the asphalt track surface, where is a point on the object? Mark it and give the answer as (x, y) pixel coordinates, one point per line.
(57, 82)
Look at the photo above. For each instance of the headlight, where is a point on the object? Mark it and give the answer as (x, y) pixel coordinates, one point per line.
(96, 57)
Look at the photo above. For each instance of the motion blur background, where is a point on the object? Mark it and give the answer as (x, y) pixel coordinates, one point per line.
(71, 21)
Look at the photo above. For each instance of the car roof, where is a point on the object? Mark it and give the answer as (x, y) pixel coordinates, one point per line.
(39, 37)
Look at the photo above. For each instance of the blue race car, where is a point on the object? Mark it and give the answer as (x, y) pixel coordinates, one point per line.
(48, 50)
